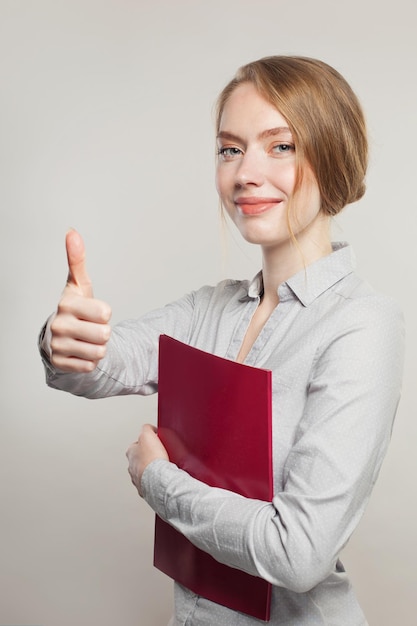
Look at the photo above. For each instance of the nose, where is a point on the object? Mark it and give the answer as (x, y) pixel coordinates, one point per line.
(250, 170)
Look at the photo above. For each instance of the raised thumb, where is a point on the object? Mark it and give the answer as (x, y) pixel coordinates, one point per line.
(77, 272)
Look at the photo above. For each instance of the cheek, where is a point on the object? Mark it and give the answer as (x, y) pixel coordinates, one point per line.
(222, 182)
(282, 176)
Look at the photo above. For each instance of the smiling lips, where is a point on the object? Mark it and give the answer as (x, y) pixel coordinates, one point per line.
(255, 205)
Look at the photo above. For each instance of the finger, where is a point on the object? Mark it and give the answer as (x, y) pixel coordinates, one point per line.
(89, 332)
(152, 442)
(66, 348)
(85, 309)
(149, 429)
(73, 365)
(77, 272)
(131, 449)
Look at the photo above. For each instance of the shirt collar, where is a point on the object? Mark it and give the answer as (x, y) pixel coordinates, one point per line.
(311, 282)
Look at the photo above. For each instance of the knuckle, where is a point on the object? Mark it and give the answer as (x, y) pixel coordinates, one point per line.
(89, 366)
(60, 327)
(54, 359)
(56, 326)
(106, 332)
(100, 352)
(105, 312)
(59, 362)
(84, 367)
(54, 348)
(64, 305)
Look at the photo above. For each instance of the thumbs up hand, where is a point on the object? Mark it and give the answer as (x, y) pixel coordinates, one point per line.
(79, 328)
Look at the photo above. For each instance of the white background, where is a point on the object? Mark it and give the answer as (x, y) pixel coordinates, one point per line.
(106, 125)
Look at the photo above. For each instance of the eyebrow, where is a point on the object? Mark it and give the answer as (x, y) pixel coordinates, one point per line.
(270, 132)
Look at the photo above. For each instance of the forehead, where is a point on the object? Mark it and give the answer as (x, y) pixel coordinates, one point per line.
(247, 108)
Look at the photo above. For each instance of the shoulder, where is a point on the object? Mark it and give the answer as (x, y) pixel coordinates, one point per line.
(225, 290)
(361, 324)
(357, 301)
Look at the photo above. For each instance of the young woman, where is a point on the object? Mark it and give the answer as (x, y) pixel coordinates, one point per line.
(292, 152)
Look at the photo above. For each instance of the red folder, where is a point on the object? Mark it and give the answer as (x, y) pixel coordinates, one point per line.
(214, 418)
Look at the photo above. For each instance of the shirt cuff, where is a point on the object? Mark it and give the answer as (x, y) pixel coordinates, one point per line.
(44, 345)
(155, 479)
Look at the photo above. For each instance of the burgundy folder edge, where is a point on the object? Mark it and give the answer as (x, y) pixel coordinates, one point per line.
(215, 419)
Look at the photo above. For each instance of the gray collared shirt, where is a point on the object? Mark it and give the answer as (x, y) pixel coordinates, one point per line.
(335, 349)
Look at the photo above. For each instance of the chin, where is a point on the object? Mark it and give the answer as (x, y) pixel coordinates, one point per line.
(265, 239)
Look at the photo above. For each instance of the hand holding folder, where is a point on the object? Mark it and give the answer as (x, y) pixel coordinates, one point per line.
(214, 418)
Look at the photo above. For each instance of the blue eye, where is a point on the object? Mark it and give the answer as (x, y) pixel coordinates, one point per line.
(229, 153)
(283, 148)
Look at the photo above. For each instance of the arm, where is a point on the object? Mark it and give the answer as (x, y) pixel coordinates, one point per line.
(130, 365)
(341, 440)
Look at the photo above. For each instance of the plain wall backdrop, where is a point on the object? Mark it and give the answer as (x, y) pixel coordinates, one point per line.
(106, 125)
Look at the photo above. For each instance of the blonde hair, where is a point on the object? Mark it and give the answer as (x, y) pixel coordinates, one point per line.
(324, 116)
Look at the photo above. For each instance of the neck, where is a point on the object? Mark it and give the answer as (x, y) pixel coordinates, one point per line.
(280, 263)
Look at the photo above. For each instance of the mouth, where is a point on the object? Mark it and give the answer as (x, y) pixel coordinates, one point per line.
(255, 205)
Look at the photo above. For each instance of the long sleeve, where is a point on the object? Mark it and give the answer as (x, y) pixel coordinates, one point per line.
(131, 362)
(335, 349)
(351, 397)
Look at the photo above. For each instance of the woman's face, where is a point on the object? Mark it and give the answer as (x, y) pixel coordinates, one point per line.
(256, 173)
